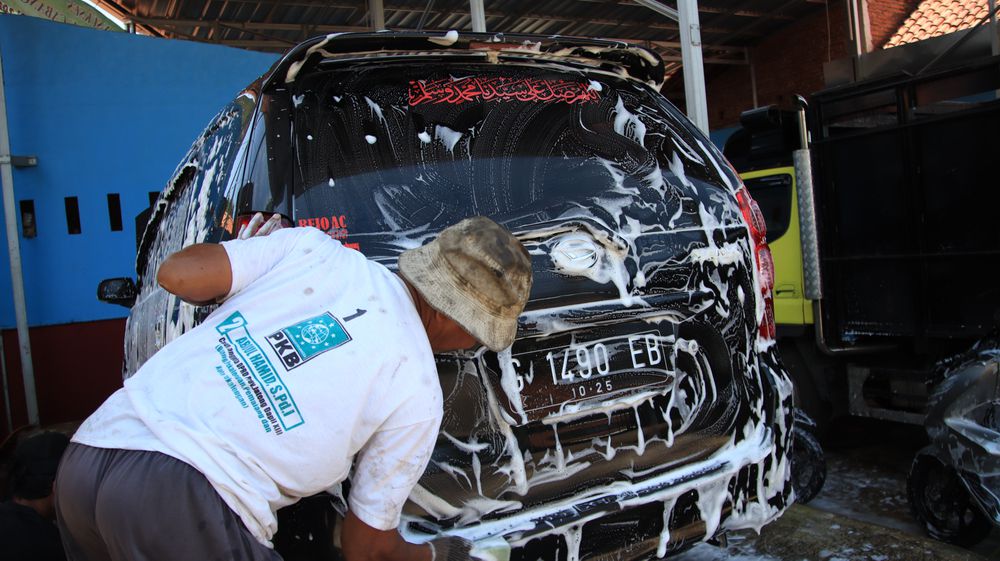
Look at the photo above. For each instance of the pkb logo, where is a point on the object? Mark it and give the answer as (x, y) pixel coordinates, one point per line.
(297, 344)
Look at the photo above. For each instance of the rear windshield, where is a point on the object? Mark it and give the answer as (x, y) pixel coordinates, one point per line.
(417, 147)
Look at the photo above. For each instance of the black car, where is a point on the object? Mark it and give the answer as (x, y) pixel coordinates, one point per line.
(643, 406)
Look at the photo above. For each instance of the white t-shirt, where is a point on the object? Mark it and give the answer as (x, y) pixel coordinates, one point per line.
(318, 355)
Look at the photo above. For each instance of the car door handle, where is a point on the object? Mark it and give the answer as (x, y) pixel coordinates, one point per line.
(785, 289)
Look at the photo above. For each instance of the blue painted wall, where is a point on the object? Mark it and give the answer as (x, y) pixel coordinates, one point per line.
(104, 113)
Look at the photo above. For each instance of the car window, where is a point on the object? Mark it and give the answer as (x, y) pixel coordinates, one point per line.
(398, 148)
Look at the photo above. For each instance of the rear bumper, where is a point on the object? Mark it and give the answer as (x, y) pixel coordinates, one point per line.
(744, 485)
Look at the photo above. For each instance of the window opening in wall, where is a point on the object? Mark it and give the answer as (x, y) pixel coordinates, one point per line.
(28, 228)
(115, 212)
(72, 215)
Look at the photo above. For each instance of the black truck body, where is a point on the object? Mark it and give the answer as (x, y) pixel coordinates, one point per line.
(906, 253)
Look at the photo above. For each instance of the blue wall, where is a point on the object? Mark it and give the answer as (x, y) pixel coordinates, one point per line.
(104, 113)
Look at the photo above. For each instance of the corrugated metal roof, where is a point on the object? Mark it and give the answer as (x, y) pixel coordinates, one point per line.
(727, 27)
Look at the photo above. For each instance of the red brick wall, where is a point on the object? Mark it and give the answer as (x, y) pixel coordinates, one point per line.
(791, 61)
(77, 366)
(885, 17)
(786, 63)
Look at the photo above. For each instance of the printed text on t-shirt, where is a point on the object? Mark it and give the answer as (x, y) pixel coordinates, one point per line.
(264, 388)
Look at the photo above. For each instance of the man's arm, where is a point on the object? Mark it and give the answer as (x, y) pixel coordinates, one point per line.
(202, 273)
(361, 542)
(198, 274)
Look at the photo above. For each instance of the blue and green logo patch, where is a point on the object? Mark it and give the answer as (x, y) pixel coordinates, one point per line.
(299, 343)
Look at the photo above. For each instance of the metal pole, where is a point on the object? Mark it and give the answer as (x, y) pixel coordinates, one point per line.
(423, 16)
(994, 39)
(812, 280)
(864, 21)
(694, 70)
(6, 389)
(854, 24)
(856, 20)
(659, 8)
(478, 12)
(376, 13)
(14, 251)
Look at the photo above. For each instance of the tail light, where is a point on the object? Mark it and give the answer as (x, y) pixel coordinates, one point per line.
(762, 258)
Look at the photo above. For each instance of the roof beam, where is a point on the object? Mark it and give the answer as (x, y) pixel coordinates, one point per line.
(632, 3)
(709, 60)
(124, 15)
(268, 26)
(744, 13)
(668, 48)
(253, 44)
(537, 15)
(676, 45)
(659, 8)
(222, 10)
(288, 43)
(250, 27)
(747, 29)
(282, 45)
(716, 10)
(271, 42)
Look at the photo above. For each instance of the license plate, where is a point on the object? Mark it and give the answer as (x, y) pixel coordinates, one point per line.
(581, 375)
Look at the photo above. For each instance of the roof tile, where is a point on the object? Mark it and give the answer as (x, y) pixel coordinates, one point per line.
(933, 18)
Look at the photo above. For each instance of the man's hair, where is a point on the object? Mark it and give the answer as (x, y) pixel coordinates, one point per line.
(35, 462)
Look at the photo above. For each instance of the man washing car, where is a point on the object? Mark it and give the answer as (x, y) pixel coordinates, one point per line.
(317, 360)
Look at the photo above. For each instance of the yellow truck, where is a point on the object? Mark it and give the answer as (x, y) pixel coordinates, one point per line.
(880, 200)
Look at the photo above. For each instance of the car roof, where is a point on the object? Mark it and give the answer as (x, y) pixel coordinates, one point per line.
(614, 57)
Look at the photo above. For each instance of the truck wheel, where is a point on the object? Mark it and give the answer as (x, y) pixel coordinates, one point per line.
(808, 465)
(942, 504)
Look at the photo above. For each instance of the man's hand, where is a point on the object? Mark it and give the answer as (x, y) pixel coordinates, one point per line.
(451, 548)
(361, 542)
(258, 227)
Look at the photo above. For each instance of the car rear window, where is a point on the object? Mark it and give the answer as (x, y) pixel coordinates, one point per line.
(417, 147)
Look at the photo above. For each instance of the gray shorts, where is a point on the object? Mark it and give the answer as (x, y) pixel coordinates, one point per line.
(145, 506)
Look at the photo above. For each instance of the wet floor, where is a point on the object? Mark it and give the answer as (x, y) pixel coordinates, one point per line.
(862, 513)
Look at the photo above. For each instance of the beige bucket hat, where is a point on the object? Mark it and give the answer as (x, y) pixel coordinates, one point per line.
(477, 274)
